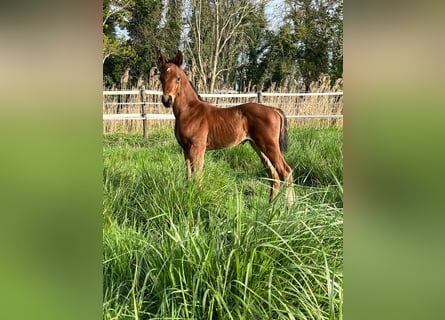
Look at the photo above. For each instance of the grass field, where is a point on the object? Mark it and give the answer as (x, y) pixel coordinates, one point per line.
(178, 250)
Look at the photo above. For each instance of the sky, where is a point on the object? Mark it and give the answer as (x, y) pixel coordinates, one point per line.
(274, 12)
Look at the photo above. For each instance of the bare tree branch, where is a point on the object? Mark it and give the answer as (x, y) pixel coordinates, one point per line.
(217, 28)
(116, 7)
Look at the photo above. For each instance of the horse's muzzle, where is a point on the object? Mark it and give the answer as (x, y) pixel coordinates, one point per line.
(168, 103)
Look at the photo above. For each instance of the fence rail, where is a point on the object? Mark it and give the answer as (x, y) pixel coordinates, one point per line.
(138, 116)
(145, 105)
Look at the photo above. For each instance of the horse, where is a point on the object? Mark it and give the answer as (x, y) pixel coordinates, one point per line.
(200, 126)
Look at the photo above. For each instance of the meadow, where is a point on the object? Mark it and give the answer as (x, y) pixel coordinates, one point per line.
(175, 249)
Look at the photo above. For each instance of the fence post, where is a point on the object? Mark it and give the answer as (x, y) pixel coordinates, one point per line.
(260, 97)
(144, 120)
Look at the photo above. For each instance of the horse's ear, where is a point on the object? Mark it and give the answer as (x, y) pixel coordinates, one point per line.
(160, 61)
(179, 59)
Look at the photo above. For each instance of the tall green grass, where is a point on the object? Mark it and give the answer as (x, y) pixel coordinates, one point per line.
(217, 249)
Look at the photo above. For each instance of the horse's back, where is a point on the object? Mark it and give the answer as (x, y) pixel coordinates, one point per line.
(261, 115)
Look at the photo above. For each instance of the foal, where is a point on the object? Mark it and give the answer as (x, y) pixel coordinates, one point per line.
(199, 126)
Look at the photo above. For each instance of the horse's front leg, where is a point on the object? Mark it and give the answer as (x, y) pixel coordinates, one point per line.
(194, 160)
(188, 165)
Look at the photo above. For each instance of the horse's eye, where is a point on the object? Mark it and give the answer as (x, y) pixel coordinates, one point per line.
(178, 79)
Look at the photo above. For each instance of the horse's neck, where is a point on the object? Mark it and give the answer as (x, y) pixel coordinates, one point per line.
(189, 92)
(188, 99)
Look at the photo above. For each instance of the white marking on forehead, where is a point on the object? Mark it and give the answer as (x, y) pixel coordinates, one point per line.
(168, 69)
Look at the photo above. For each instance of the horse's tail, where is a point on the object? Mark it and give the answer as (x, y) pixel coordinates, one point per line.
(283, 131)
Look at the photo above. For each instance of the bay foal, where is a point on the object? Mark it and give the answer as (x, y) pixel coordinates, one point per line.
(200, 126)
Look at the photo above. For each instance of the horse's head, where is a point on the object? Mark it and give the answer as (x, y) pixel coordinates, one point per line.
(171, 76)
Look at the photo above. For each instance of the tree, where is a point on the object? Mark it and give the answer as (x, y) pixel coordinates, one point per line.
(317, 24)
(279, 64)
(114, 46)
(153, 25)
(308, 43)
(218, 32)
(336, 42)
(251, 70)
(227, 43)
(115, 12)
(117, 51)
(142, 29)
(133, 31)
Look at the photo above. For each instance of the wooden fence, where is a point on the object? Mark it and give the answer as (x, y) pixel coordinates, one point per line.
(130, 110)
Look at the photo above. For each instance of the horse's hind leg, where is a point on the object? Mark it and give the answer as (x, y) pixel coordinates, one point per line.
(285, 173)
(290, 192)
(280, 171)
(271, 171)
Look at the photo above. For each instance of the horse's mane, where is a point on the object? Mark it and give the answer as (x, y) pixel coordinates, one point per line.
(196, 91)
